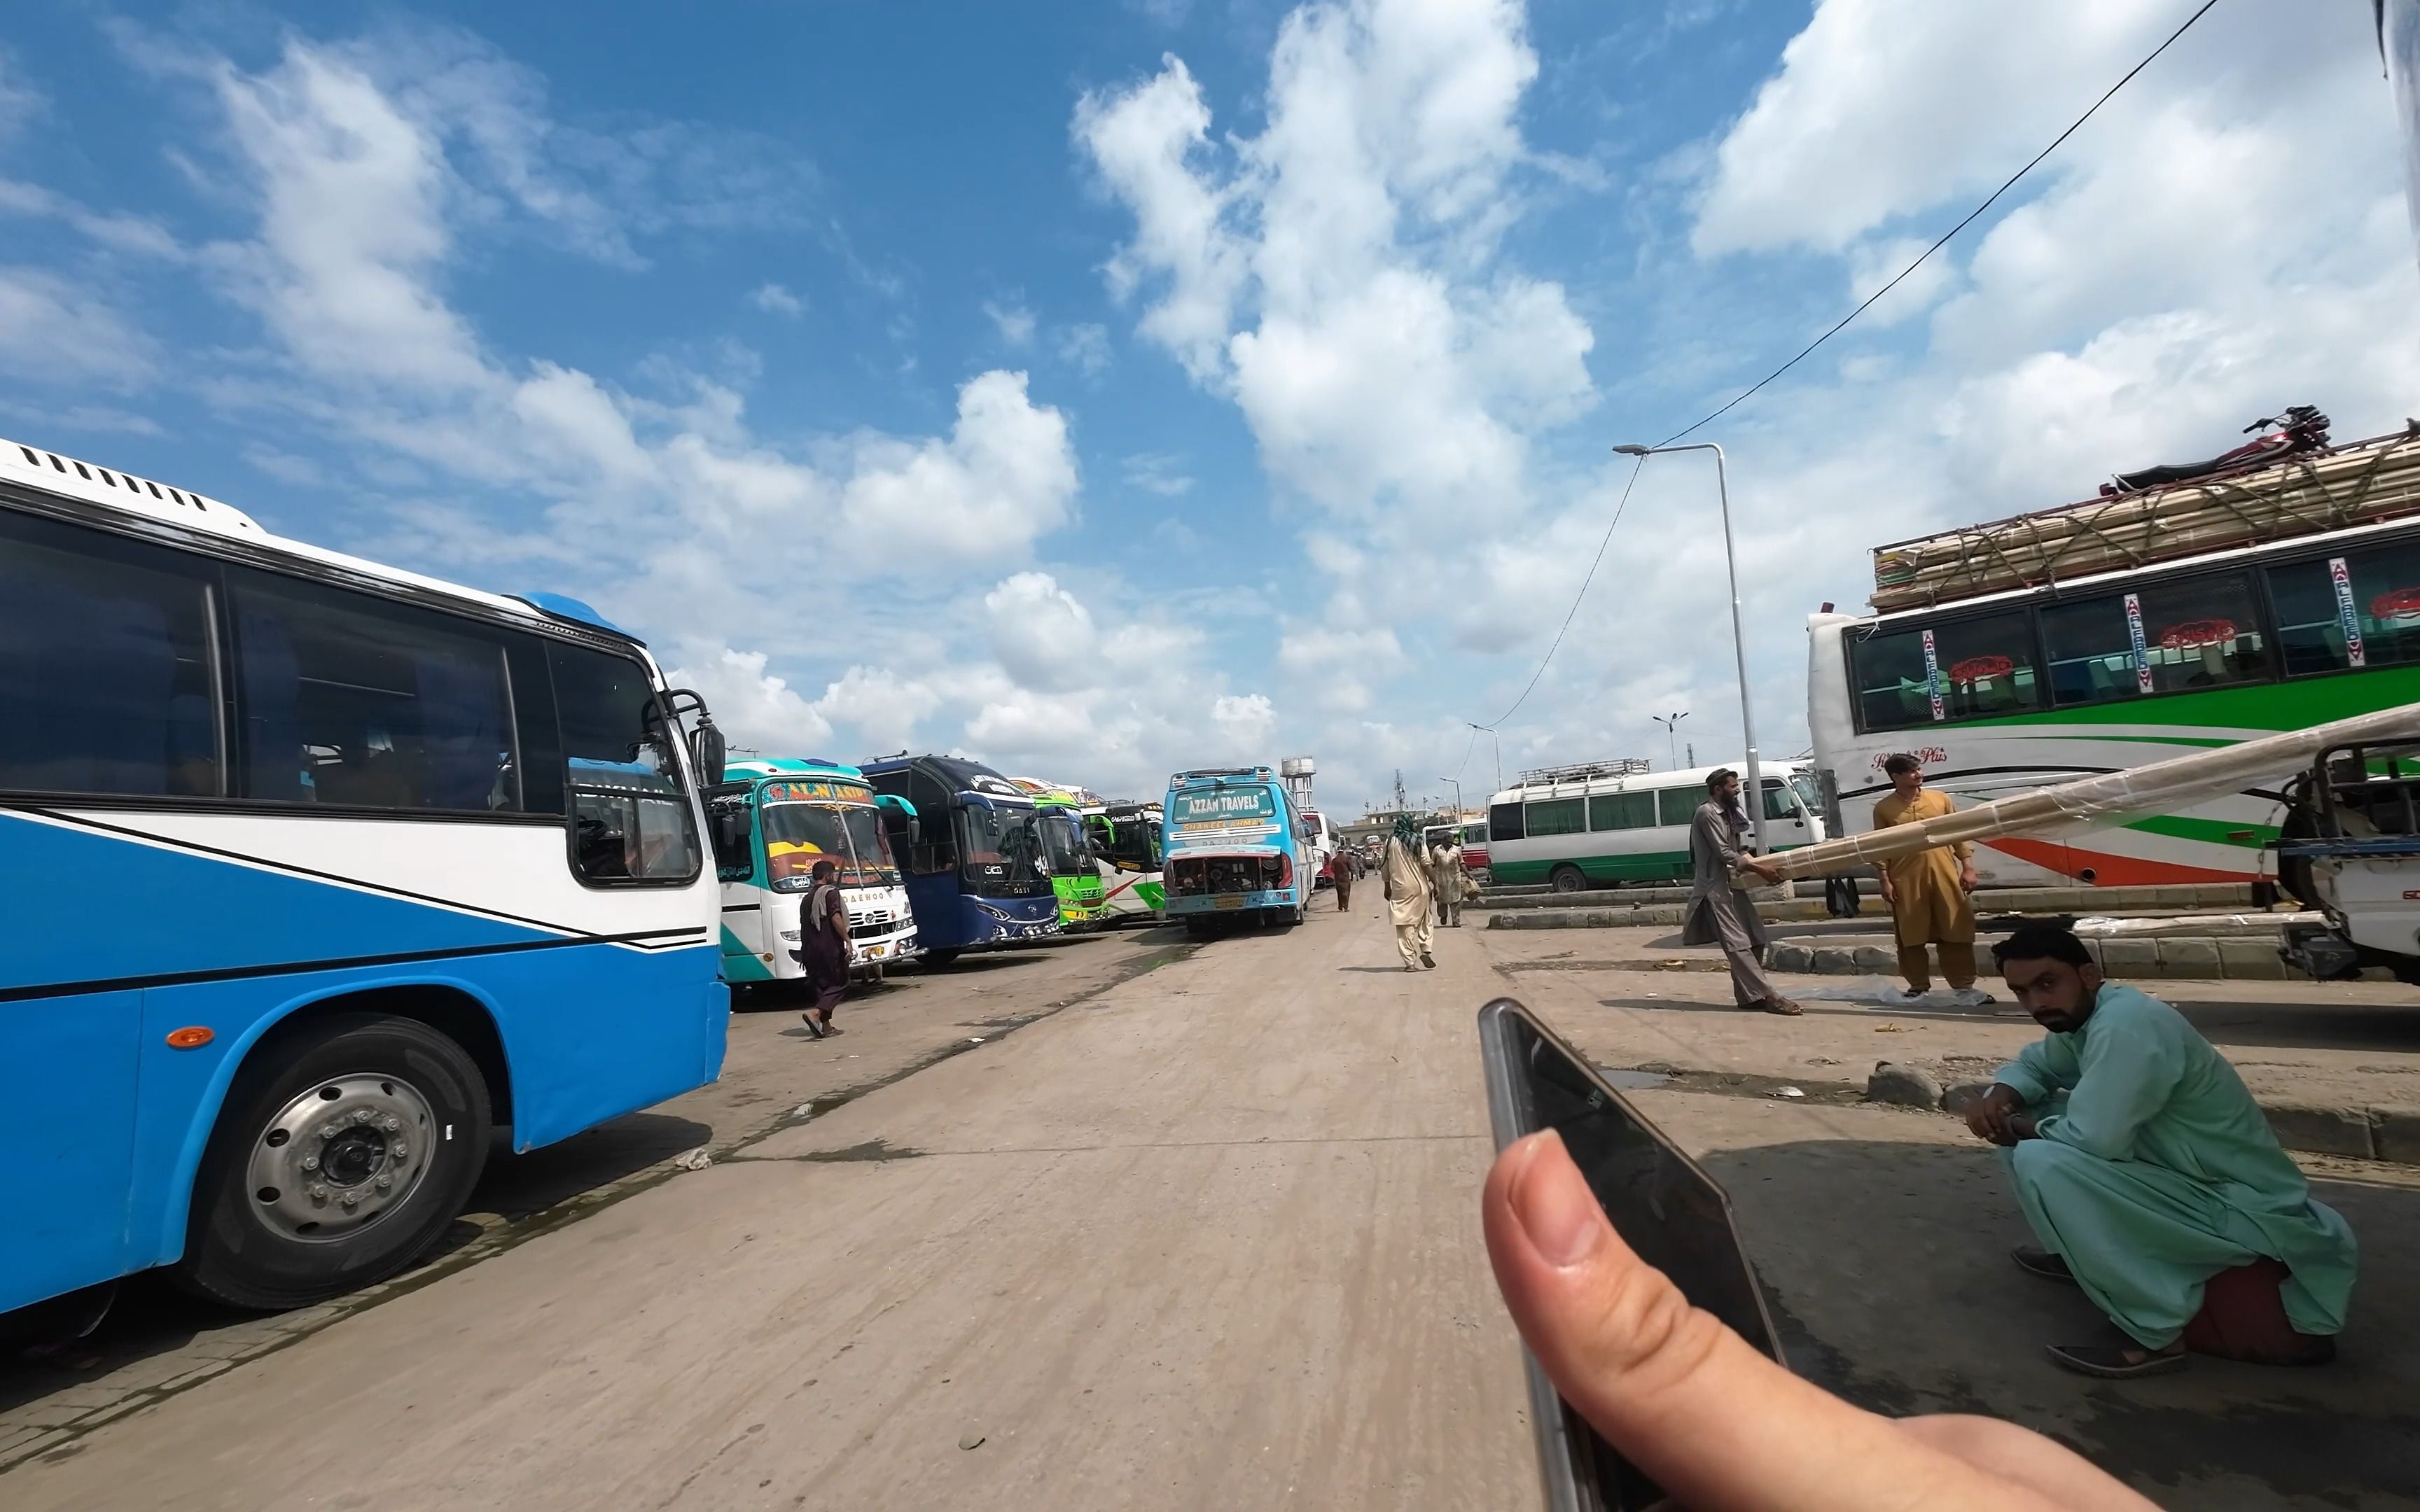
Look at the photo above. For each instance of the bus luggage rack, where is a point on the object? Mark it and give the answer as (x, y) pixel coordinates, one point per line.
(1539, 777)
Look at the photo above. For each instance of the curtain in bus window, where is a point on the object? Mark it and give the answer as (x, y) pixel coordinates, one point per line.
(367, 704)
(106, 683)
(631, 814)
(1679, 806)
(1976, 666)
(1557, 816)
(1622, 811)
(2203, 632)
(2356, 608)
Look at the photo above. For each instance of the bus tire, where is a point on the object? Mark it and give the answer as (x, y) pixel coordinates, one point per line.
(269, 1231)
(939, 958)
(1569, 879)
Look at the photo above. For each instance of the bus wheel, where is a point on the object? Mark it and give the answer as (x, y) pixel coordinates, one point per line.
(939, 958)
(344, 1150)
(1569, 879)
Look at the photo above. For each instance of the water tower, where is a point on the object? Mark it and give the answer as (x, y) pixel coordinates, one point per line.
(1296, 772)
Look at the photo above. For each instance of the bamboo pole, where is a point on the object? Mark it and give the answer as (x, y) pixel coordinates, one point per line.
(2157, 788)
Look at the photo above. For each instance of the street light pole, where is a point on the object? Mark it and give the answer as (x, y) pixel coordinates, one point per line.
(1672, 723)
(1457, 797)
(1497, 740)
(1739, 635)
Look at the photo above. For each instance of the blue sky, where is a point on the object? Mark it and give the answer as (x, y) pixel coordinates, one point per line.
(1103, 389)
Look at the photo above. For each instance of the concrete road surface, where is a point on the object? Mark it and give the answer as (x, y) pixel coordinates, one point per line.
(1190, 1227)
(1205, 1239)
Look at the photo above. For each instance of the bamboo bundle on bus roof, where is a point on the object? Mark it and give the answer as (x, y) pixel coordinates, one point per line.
(2358, 484)
(2157, 788)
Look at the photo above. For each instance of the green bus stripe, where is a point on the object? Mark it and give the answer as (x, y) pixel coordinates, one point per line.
(2289, 706)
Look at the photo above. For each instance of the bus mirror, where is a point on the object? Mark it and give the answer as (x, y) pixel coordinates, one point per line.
(706, 747)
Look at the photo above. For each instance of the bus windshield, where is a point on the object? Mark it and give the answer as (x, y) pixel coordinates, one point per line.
(1063, 840)
(1000, 843)
(797, 834)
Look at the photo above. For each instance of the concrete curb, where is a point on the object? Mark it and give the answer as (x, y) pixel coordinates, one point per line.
(2171, 958)
(2388, 1135)
(1987, 900)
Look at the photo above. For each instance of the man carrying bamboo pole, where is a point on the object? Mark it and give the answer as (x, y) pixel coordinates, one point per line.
(1927, 890)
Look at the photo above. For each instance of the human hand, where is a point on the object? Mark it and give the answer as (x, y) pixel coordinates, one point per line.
(1988, 1115)
(1770, 873)
(1713, 1421)
(1967, 878)
(2020, 1126)
(1890, 894)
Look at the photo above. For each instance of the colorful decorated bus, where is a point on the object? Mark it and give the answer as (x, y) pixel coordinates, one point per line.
(1074, 878)
(1237, 849)
(774, 818)
(977, 869)
(1126, 850)
(2009, 691)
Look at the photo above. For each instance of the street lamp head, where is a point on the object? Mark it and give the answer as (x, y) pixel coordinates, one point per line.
(1632, 449)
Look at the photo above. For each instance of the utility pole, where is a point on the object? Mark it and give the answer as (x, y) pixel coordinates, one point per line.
(1403, 801)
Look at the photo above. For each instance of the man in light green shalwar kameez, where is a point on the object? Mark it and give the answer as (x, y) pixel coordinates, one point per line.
(2144, 1166)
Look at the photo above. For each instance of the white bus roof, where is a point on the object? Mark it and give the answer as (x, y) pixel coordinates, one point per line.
(114, 491)
(1693, 776)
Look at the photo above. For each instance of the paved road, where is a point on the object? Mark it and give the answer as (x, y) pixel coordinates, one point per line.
(1189, 1227)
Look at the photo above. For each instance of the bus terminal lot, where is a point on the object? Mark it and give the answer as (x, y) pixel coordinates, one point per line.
(1196, 1226)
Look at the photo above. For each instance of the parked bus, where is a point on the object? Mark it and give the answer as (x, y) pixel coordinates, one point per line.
(1236, 849)
(978, 874)
(316, 872)
(1126, 839)
(2015, 690)
(1574, 828)
(774, 819)
(1074, 878)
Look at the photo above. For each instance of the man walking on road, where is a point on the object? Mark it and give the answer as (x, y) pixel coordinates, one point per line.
(2153, 1180)
(1928, 891)
(1344, 869)
(1719, 913)
(1405, 872)
(1445, 876)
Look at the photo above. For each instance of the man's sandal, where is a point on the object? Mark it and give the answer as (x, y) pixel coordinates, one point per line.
(2042, 1263)
(2116, 1361)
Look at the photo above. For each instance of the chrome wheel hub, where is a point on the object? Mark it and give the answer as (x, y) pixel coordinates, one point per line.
(340, 1155)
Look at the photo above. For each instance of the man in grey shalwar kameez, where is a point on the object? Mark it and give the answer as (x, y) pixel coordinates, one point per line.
(1719, 913)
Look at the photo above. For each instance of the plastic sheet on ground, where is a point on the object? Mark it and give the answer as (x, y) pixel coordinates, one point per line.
(2097, 927)
(1882, 992)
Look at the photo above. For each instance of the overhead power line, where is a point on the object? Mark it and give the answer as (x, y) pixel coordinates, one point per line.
(1838, 327)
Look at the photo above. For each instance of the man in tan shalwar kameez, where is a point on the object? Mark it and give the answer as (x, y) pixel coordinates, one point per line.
(1928, 890)
(1409, 894)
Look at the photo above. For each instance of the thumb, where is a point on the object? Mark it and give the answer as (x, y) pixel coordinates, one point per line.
(1688, 1400)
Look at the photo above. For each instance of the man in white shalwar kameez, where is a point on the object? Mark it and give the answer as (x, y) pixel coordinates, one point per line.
(1409, 894)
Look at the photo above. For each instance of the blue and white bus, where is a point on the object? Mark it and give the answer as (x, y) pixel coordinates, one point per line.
(1236, 848)
(774, 817)
(316, 874)
(978, 870)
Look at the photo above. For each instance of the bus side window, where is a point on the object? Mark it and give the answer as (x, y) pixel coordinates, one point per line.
(631, 814)
(2383, 584)
(1777, 802)
(1622, 811)
(347, 700)
(1678, 805)
(936, 851)
(2202, 632)
(107, 680)
(1504, 821)
(1556, 816)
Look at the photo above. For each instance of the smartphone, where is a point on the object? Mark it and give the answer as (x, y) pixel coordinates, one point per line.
(1659, 1201)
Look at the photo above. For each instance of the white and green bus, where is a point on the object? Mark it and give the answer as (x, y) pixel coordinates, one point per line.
(774, 819)
(2009, 691)
(1126, 841)
(1574, 827)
